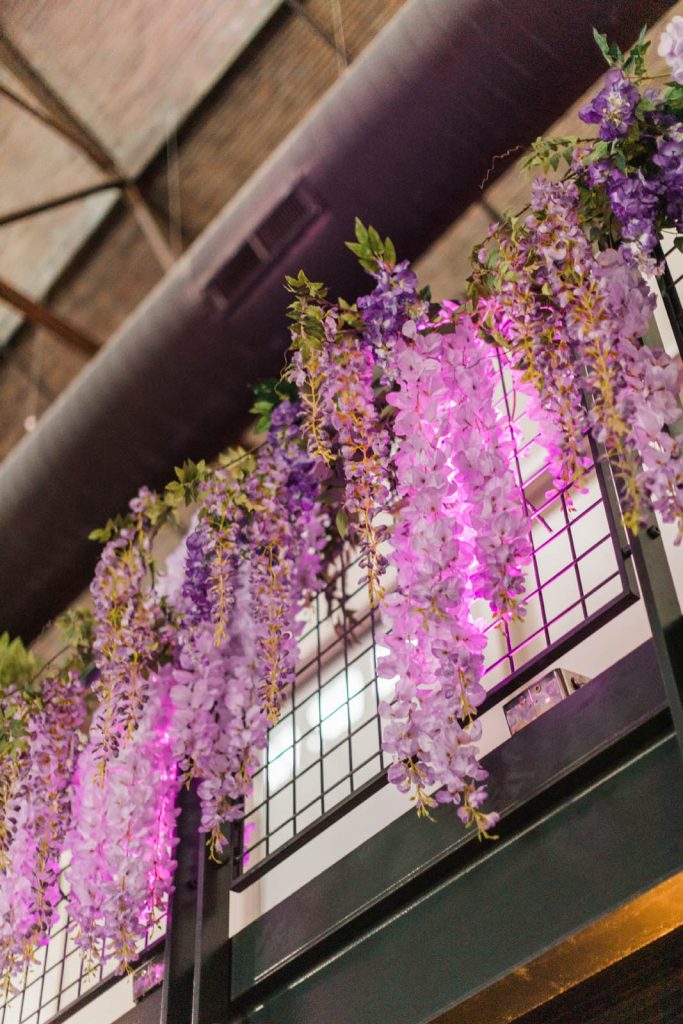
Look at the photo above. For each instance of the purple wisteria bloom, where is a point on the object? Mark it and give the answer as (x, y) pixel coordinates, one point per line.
(671, 47)
(669, 160)
(634, 201)
(614, 106)
(387, 308)
(599, 172)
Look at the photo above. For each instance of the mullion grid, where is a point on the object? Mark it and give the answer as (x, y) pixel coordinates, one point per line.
(57, 980)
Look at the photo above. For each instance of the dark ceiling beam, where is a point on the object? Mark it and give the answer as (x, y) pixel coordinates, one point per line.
(63, 119)
(40, 315)
(57, 201)
(328, 37)
(29, 108)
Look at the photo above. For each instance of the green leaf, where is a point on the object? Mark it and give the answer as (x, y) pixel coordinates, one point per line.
(389, 252)
(360, 231)
(603, 44)
(342, 524)
(620, 161)
(109, 530)
(375, 242)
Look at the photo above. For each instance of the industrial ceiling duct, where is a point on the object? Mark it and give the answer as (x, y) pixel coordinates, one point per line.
(403, 141)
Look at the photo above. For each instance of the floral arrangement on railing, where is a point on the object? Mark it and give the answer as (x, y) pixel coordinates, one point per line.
(382, 432)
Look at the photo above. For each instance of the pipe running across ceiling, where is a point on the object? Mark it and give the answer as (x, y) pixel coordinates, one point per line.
(403, 140)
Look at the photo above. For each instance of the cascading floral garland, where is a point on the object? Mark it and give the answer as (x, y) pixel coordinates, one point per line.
(383, 431)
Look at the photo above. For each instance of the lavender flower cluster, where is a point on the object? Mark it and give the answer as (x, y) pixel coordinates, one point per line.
(642, 174)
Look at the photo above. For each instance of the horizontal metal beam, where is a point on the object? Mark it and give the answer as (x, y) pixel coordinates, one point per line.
(39, 314)
(583, 858)
(57, 201)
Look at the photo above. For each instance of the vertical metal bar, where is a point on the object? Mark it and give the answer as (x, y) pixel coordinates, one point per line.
(652, 564)
(572, 549)
(42, 984)
(319, 674)
(345, 649)
(179, 951)
(621, 540)
(509, 645)
(664, 613)
(671, 299)
(212, 962)
(525, 503)
(373, 632)
(23, 994)
(196, 987)
(62, 962)
(267, 801)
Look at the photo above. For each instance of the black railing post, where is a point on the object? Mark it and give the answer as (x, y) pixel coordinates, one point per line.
(671, 299)
(196, 987)
(664, 613)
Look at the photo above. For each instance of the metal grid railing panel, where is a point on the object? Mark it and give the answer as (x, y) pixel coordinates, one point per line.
(58, 980)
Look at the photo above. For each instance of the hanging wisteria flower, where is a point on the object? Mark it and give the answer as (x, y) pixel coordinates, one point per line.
(646, 385)
(40, 808)
(635, 204)
(356, 441)
(447, 500)
(284, 543)
(669, 160)
(614, 106)
(363, 443)
(516, 312)
(218, 727)
(481, 455)
(387, 308)
(131, 621)
(671, 47)
(122, 838)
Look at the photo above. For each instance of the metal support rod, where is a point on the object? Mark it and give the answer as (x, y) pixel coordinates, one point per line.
(148, 226)
(651, 561)
(664, 614)
(39, 314)
(320, 30)
(36, 112)
(671, 299)
(64, 120)
(53, 204)
(196, 988)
